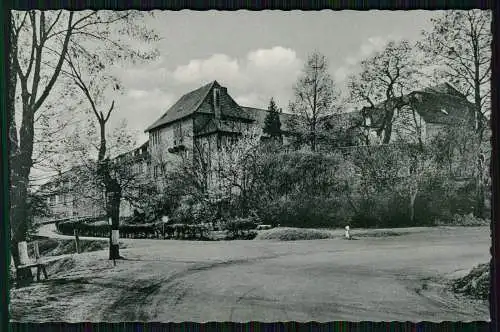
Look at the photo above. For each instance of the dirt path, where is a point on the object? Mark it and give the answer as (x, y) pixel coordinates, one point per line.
(393, 278)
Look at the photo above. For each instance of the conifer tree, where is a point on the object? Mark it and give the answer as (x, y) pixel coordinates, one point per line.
(272, 123)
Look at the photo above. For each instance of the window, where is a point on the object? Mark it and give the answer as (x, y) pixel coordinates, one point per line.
(178, 134)
(368, 121)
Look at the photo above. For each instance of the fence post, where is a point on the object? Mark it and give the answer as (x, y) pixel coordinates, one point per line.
(37, 251)
(77, 240)
(23, 252)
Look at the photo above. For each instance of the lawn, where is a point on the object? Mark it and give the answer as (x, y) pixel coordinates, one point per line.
(404, 275)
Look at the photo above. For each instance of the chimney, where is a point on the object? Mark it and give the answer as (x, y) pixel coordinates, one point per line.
(217, 98)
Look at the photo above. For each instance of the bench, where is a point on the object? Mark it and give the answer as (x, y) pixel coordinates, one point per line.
(40, 267)
(30, 263)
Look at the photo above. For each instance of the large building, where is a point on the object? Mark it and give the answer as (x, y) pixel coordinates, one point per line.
(207, 118)
(76, 193)
(69, 195)
(200, 122)
(419, 115)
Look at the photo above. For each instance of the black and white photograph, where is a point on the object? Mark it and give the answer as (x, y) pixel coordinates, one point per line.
(236, 166)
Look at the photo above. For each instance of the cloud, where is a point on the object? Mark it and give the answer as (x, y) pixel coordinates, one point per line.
(143, 77)
(137, 94)
(369, 47)
(276, 57)
(141, 108)
(252, 80)
(218, 66)
(372, 45)
(341, 73)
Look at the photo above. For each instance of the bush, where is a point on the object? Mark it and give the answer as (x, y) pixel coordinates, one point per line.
(103, 230)
(463, 220)
(239, 228)
(475, 284)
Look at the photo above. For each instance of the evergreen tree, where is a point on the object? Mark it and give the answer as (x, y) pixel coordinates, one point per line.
(272, 123)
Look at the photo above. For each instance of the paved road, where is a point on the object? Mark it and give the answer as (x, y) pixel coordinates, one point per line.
(392, 278)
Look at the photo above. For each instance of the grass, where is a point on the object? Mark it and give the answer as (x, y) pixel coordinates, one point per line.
(293, 234)
(55, 247)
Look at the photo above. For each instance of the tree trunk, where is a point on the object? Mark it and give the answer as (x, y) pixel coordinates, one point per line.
(480, 194)
(387, 126)
(20, 170)
(114, 198)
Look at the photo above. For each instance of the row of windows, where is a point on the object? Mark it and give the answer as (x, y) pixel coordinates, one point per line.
(61, 199)
(177, 133)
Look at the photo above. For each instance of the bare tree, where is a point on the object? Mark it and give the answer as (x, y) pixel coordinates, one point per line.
(236, 168)
(384, 79)
(90, 73)
(315, 98)
(40, 41)
(459, 43)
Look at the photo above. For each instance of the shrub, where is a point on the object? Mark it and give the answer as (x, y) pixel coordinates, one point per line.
(475, 284)
(240, 227)
(463, 220)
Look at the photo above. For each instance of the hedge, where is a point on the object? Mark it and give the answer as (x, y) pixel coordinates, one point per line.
(148, 231)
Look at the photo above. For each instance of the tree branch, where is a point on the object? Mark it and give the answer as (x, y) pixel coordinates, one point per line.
(60, 62)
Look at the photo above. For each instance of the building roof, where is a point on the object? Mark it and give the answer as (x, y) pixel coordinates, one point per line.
(185, 106)
(138, 150)
(259, 115)
(444, 88)
(442, 108)
(191, 102)
(436, 104)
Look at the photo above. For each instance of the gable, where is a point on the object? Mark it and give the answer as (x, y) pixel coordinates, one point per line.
(185, 106)
(201, 100)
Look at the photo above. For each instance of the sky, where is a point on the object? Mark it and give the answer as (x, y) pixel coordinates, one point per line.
(255, 54)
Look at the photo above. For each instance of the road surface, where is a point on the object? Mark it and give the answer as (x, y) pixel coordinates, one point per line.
(372, 278)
